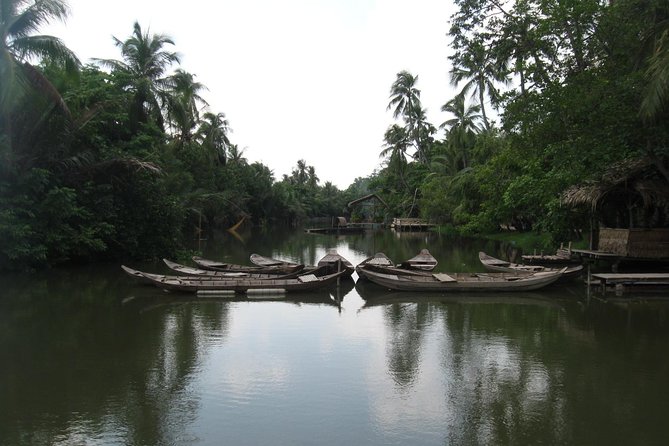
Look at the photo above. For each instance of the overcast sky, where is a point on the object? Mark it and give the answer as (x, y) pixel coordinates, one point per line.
(297, 79)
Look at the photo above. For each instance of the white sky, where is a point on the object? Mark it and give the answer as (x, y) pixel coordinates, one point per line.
(297, 79)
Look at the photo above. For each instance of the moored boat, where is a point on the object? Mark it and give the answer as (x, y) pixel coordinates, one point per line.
(193, 284)
(424, 261)
(213, 265)
(497, 265)
(335, 262)
(190, 271)
(464, 282)
(260, 260)
(378, 259)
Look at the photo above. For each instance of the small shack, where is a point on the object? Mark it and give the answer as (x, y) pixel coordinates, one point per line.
(629, 207)
(367, 208)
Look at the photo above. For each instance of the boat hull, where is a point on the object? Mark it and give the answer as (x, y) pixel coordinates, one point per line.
(462, 282)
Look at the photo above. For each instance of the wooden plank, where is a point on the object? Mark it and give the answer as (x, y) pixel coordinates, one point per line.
(443, 277)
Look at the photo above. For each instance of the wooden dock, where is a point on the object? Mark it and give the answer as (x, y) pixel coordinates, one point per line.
(411, 224)
(630, 280)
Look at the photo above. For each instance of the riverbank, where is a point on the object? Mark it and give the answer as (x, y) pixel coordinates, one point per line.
(527, 241)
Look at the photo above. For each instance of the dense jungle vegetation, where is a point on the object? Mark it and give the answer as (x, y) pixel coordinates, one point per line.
(123, 157)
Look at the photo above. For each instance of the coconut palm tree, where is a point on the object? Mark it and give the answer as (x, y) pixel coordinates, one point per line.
(183, 104)
(462, 128)
(404, 96)
(236, 155)
(19, 47)
(481, 74)
(213, 135)
(405, 102)
(145, 61)
(19, 19)
(656, 94)
(396, 143)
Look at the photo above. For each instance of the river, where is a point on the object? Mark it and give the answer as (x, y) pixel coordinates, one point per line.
(88, 356)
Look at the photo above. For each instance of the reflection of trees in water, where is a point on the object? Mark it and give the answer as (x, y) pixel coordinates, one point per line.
(79, 365)
(405, 324)
(503, 388)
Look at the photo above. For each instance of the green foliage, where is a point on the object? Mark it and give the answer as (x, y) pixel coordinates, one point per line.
(121, 164)
(42, 222)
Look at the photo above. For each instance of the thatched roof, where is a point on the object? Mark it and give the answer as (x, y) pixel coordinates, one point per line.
(638, 176)
(365, 198)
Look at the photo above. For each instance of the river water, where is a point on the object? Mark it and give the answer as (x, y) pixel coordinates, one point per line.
(89, 357)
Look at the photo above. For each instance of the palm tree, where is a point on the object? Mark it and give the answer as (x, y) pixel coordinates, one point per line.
(236, 155)
(481, 74)
(145, 61)
(405, 102)
(463, 127)
(19, 19)
(656, 94)
(396, 143)
(404, 96)
(183, 104)
(421, 131)
(213, 135)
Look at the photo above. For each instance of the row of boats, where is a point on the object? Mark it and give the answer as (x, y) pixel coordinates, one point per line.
(268, 275)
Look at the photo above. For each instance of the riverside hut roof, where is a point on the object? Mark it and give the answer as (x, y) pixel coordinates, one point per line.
(637, 176)
(366, 198)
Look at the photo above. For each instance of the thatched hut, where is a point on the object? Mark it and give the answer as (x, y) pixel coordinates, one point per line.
(630, 203)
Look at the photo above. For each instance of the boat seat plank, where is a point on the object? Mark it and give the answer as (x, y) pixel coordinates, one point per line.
(307, 278)
(443, 277)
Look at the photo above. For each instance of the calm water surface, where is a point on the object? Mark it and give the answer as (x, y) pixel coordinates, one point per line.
(89, 357)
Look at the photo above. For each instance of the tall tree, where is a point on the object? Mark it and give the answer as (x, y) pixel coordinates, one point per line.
(212, 134)
(462, 127)
(405, 103)
(480, 73)
(396, 144)
(183, 104)
(145, 61)
(656, 94)
(19, 20)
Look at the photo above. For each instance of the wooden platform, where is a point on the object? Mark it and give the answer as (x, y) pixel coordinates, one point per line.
(593, 254)
(631, 280)
(411, 224)
(337, 230)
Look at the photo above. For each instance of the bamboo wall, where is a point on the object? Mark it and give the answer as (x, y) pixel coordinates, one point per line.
(642, 243)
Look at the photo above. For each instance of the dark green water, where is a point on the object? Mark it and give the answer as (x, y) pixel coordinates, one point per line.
(89, 357)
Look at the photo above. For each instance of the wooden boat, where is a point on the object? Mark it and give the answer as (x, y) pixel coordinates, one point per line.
(329, 261)
(305, 282)
(424, 260)
(336, 262)
(461, 282)
(213, 265)
(378, 259)
(498, 265)
(190, 271)
(213, 275)
(259, 260)
(562, 257)
(378, 267)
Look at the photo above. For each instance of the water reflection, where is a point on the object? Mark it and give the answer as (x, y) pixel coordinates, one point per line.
(89, 357)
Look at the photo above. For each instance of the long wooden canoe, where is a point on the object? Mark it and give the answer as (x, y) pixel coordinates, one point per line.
(139, 275)
(192, 284)
(213, 265)
(190, 271)
(498, 265)
(378, 259)
(329, 261)
(461, 282)
(424, 260)
(260, 260)
(378, 267)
